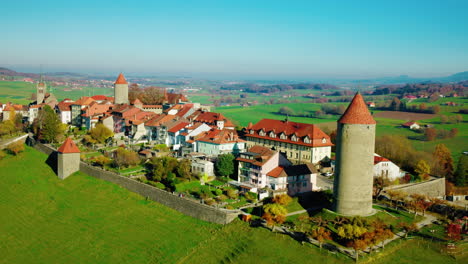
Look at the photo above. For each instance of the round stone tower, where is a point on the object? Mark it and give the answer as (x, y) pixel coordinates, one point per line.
(355, 144)
(68, 159)
(121, 90)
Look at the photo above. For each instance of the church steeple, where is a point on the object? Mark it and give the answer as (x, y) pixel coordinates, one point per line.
(41, 90)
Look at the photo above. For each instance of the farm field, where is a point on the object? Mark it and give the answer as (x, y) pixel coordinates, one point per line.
(244, 115)
(20, 92)
(403, 115)
(86, 220)
(388, 122)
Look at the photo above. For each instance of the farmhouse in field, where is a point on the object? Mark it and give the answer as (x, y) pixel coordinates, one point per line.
(411, 125)
(298, 142)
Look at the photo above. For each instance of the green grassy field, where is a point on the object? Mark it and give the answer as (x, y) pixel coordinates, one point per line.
(86, 220)
(244, 115)
(20, 92)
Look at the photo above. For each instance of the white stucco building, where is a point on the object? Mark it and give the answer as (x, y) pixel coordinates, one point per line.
(384, 167)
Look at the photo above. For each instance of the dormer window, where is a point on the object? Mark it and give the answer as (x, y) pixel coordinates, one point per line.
(272, 134)
(261, 132)
(306, 140)
(324, 140)
(252, 131)
(283, 136)
(293, 138)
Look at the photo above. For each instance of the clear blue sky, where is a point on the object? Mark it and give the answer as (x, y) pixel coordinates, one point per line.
(252, 38)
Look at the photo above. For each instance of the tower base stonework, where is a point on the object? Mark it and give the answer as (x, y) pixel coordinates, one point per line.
(68, 163)
(68, 159)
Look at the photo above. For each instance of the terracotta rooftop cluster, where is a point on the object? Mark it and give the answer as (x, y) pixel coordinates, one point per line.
(290, 132)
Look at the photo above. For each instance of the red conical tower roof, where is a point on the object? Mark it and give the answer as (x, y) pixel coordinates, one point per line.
(357, 112)
(121, 79)
(68, 147)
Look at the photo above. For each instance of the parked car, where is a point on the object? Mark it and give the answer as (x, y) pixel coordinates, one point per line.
(327, 174)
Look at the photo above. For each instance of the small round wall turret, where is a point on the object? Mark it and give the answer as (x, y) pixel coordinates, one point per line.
(121, 90)
(68, 159)
(355, 144)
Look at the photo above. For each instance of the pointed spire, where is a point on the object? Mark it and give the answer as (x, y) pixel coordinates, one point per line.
(357, 112)
(68, 147)
(121, 79)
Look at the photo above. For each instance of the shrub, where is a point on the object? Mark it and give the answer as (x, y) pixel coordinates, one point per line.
(2, 154)
(221, 198)
(250, 196)
(210, 201)
(282, 199)
(217, 192)
(232, 194)
(15, 147)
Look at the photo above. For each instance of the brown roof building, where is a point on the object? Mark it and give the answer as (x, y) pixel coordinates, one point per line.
(299, 142)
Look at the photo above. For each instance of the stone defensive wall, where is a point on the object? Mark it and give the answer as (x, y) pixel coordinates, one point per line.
(187, 206)
(431, 188)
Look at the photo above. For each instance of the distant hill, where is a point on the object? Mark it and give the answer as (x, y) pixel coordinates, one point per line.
(65, 74)
(403, 79)
(8, 72)
(457, 77)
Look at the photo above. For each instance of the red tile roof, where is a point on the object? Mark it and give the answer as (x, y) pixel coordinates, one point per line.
(159, 119)
(68, 147)
(277, 172)
(84, 101)
(95, 109)
(152, 106)
(408, 124)
(63, 107)
(178, 127)
(217, 136)
(290, 129)
(260, 155)
(99, 97)
(378, 159)
(137, 102)
(121, 79)
(357, 113)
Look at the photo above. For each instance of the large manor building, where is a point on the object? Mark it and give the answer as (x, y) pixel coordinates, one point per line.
(298, 142)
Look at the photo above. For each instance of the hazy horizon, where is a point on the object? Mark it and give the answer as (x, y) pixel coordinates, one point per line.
(260, 39)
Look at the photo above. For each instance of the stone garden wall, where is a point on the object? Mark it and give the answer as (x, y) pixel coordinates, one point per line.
(184, 205)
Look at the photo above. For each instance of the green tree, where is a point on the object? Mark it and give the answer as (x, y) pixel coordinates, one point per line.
(461, 174)
(443, 162)
(224, 165)
(320, 234)
(282, 199)
(183, 169)
(407, 227)
(47, 125)
(124, 158)
(351, 231)
(100, 133)
(274, 214)
(7, 128)
(422, 169)
(286, 111)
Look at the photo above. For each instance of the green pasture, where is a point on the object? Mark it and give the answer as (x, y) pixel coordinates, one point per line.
(86, 220)
(20, 92)
(244, 115)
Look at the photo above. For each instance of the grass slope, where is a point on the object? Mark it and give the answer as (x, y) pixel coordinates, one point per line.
(86, 220)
